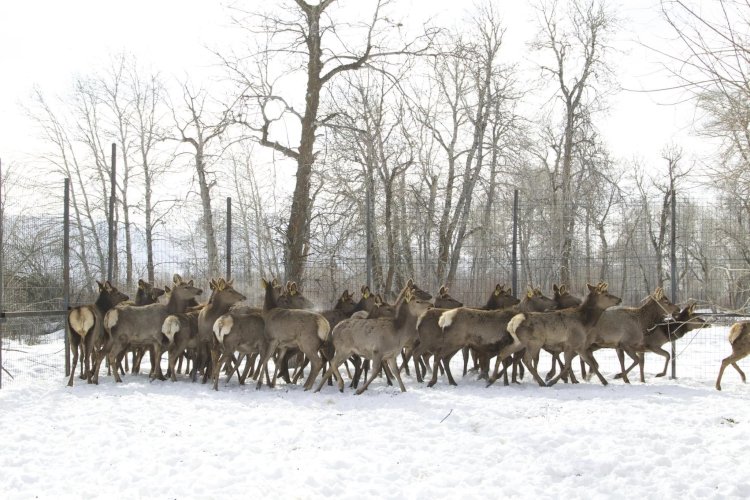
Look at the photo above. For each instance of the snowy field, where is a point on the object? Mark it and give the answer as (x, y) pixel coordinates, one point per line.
(663, 439)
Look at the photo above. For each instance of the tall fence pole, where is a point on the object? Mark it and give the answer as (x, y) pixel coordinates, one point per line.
(66, 270)
(673, 272)
(368, 230)
(2, 273)
(111, 221)
(229, 238)
(514, 257)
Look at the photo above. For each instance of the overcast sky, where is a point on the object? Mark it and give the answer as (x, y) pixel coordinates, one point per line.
(48, 42)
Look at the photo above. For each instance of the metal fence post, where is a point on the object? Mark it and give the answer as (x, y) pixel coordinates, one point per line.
(673, 272)
(229, 238)
(514, 266)
(2, 273)
(66, 270)
(112, 194)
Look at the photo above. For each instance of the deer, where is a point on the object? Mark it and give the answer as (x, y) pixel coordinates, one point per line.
(445, 333)
(146, 294)
(739, 339)
(193, 329)
(500, 298)
(141, 326)
(623, 329)
(442, 302)
(567, 330)
(380, 340)
(85, 327)
(286, 328)
(653, 340)
(237, 332)
(563, 300)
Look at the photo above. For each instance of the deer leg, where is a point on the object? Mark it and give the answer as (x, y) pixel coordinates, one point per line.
(394, 368)
(528, 360)
(75, 349)
(217, 361)
(588, 357)
(316, 364)
(553, 370)
(172, 354)
(270, 349)
(357, 362)
(504, 353)
(377, 364)
(418, 370)
(446, 362)
(742, 374)
(433, 380)
(621, 360)
(405, 356)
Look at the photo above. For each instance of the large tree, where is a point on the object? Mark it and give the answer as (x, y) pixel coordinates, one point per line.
(305, 40)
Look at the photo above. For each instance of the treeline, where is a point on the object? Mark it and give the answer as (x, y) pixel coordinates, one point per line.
(353, 141)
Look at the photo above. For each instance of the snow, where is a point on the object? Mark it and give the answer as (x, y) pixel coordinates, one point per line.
(665, 438)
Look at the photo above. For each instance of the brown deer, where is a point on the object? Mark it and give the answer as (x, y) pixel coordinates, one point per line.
(563, 300)
(653, 340)
(380, 340)
(141, 326)
(484, 331)
(236, 332)
(85, 328)
(566, 330)
(500, 298)
(739, 339)
(623, 329)
(147, 294)
(287, 328)
(187, 331)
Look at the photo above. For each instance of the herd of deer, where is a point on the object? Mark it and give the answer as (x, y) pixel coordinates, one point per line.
(222, 333)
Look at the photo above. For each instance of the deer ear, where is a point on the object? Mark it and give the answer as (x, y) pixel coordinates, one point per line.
(177, 279)
(190, 283)
(101, 285)
(498, 290)
(141, 284)
(410, 283)
(529, 292)
(590, 287)
(691, 308)
(555, 288)
(108, 285)
(167, 289)
(264, 283)
(563, 289)
(212, 285)
(366, 292)
(230, 282)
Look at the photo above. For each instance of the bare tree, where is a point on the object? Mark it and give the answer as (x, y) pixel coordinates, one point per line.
(577, 45)
(313, 43)
(201, 129)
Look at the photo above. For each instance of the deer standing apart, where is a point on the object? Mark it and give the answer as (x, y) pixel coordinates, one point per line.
(739, 339)
(85, 327)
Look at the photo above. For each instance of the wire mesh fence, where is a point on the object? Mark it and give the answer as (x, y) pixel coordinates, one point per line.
(631, 249)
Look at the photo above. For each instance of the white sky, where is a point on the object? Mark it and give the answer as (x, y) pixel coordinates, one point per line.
(48, 42)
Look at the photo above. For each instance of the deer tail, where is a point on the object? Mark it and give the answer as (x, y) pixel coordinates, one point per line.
(170, 327)
(513, 325)
(324, 328)
(223, 326)
(735, 332)
(81, 319)
(447, 318)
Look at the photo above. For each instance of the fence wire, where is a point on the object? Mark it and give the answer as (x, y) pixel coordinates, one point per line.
(630, 249)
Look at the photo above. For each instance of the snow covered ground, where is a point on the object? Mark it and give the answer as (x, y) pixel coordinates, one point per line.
(663, 439)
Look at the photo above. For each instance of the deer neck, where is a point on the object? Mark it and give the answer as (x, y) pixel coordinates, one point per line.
(589, 312)
(177, 305)
(269, 301)
(219, 305)
(651, 313)
(103, 303)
